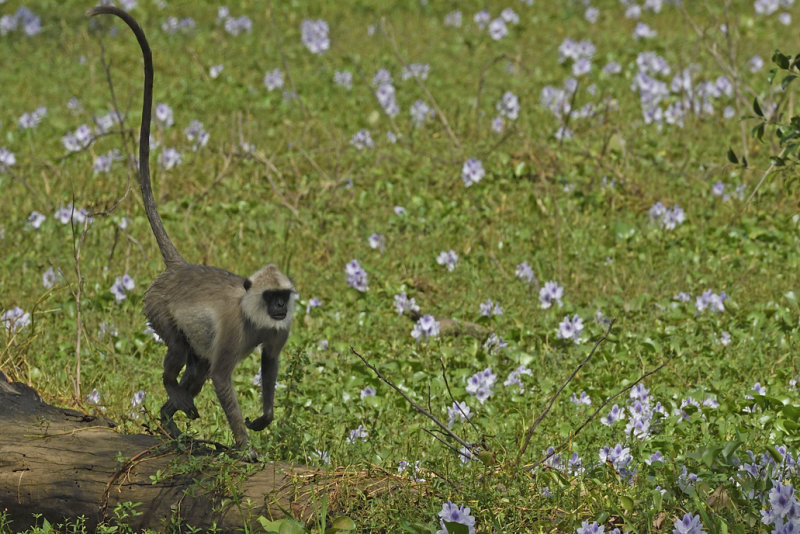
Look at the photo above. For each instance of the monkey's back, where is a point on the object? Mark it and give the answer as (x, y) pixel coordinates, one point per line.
(193, 301)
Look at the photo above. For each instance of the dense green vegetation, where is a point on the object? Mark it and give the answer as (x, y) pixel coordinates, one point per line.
(613, 185)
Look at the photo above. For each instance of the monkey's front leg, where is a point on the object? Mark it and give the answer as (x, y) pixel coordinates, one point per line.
(269, 374)
(222, 378)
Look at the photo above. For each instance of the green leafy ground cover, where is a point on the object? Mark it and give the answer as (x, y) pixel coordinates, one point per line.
(613, 185)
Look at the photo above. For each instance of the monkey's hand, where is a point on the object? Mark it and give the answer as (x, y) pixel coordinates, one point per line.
(260, 423)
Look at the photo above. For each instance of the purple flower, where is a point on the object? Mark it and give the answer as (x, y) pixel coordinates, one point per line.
(50, 277)
(163, 115)
(509, 16)
(80, 139)
(591, 14)
(343, 78)
(385, 93)
(515, 378)
(35, 220)
(550, 292)
(361, 140)
(196, 134)
(460, 412)
(711, 301)
(377, 241)
(616, 414)
(169, 158)
(453, 19)
(447, 258)
(173, 24)
(416, 70)
(356, 276)
(121, 285)
(273, 79)
(7, 159)
(403, 304)
(688, 525)
(525, 272)
(643, 31)
(358, 433)
(481, 383)
(509, 106)
(93, 397)
(582, 399)
(138, 398)
(215, 70)
(498, 125)
(571, 328)
(420, 112)
(481, 19)
(472, 172)
(314, 35)
(494, 343)
(237, 25)
(452, 513)
(489, 308)
(399, 210)
(590, 528)
(612, 67)
(15, 318)
(32, 119)
(367, 392)
(755, 63)
(766, 7)
(426, 327)
(498, 29)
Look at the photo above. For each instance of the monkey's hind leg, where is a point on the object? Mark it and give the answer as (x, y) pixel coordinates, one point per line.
(178, 352)
(191, 383)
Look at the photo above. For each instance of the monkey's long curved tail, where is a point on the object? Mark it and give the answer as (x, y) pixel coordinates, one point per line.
(168, 250)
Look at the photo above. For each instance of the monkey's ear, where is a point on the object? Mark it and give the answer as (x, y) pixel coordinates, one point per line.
(247, 284)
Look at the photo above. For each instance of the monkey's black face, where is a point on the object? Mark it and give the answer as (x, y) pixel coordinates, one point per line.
(277, 302)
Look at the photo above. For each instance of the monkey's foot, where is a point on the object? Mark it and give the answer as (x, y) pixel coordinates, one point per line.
(182, 400)
(249, 455)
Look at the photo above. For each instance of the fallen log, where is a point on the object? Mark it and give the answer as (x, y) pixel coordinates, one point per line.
(63, 464)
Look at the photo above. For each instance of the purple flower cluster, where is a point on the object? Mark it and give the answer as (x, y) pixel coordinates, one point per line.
(688, 525)
(570, 329)
(343, 78)
(481, 383)
(357, 434)
(35, 220)
(494, 343)
(420, 112)
(515, 378)
(103, 162)
(356, 276)
(453, 19)
(549, 293)
(15, 318)
(452, 513)
(416, 70)
(385, 92)
(460, 412)
(50, 277)
(120, 287)
(170, 157)
(77, 140)
(472, 172)
(174, 24)
(508, 106)
(233, 25)
(361, 140)
(525, 273)
(7, 159)
(69, 213)
(196, 135)
(667, 218)
(489, 308)
(448, 258)
(273, 79)
(583, 398)
(426, 327)
(23, 18)
(711, 301)
(404, 304)
(594, 528)
(580, 53)
(314, 35)
(32, 119)
(620, 458)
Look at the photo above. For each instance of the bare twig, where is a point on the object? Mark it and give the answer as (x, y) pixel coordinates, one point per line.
(539, 419)
(77, 245)
(594, 414)
(455, 403)
(415, 405)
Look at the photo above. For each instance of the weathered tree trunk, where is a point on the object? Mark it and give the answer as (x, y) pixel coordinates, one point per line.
(63, 464)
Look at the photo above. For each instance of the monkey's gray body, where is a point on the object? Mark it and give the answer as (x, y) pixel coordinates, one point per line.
(210, 319)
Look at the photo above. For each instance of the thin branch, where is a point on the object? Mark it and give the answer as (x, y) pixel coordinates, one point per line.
(455, 403)
(592, 416)
(416, 406)
(539, 419)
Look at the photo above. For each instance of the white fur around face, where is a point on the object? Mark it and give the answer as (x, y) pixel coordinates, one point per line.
(255, 309)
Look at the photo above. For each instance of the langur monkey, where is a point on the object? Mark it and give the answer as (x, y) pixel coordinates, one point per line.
(209, 318)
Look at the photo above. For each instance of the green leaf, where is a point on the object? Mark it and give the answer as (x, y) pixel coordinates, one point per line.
(456, 528)
(732, 156)
(343, 524)
(781, 60)
(757, 108)
(787, 80)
